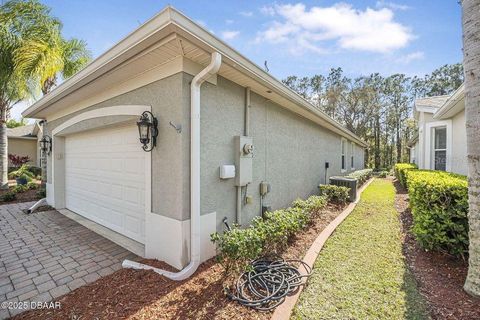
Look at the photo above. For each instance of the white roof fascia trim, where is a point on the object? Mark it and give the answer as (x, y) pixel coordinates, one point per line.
(454, 99)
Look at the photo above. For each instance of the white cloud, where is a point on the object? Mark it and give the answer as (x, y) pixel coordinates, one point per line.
(268, 10)
(230, 34)
(229, 21)
(392, 5)
(247, 14)
(363, 30)
(406, 59)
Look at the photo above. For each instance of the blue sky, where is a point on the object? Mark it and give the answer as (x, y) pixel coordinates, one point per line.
(296, 38)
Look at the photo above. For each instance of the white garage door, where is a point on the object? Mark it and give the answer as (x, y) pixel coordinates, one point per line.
(105, 179)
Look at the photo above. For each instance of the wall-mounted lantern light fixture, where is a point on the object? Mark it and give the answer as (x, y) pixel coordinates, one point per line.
(46, 144)
(148, 130)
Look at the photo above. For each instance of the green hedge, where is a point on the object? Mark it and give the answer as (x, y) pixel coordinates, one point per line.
(361, 175)
(400, 169)
(333, 193)
(265, 236)
(439, 202)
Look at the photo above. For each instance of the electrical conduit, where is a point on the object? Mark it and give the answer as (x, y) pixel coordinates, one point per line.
(201, 77)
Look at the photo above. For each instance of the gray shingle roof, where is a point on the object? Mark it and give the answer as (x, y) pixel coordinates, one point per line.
(433, 102)
(23, 131)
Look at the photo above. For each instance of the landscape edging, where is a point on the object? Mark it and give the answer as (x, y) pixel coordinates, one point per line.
(284, 311)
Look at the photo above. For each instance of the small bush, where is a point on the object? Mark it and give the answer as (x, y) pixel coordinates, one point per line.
(8, 196)
(335, 194)
(36, 171)
(32, 185)
(20, 188)
(382, 174)
(361, 175)
(400, 169)
(22, 171)
(439, 202)
(265, 236)
(41, 193)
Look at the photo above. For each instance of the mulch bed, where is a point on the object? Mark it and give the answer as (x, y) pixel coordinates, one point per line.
(440, 276)
(134, 294)
(27, 196)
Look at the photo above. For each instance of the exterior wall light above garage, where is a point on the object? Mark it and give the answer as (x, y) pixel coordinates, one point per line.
(148, 130)
(46, 144)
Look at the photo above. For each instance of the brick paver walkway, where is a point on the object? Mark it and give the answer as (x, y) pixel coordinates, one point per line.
(45, 255)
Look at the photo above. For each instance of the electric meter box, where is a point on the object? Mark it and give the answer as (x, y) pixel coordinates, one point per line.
(243, 160)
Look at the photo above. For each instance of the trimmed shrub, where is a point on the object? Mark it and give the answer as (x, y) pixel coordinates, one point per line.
(8, 196)
(382, 174)
(19, 188)
(265, 236)
(439, 202)
(41, 193)
(361, 175)
(32, 185)
(335, 194)
(36, 171)
(400, 169)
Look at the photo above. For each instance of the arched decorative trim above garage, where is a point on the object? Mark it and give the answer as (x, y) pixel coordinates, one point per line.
(121, 110)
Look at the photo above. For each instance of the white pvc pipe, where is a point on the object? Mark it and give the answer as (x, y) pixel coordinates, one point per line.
(36, 205)
(201, 77)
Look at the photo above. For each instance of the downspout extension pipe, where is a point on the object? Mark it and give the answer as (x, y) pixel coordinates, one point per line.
(201, 77)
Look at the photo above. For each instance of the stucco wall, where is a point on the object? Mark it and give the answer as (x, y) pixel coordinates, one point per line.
(165, 98)
(24, 147)
(290, 151)
(459, 144)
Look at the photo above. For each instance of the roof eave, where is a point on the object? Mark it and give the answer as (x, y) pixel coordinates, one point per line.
(171, 18)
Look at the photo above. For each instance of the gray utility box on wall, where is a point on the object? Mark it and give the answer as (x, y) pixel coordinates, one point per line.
(346, 182)
(243, 160)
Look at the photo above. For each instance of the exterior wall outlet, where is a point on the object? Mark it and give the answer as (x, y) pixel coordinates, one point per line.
(248, 199)
(227, 171)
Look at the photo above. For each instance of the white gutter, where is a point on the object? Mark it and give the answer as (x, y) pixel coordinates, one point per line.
(201, 77)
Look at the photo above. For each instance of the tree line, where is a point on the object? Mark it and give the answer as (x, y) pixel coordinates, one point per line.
(376, 108)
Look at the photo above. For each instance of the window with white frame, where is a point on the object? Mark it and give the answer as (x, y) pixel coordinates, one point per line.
(344, 147)
(352, 155)
(439, 148)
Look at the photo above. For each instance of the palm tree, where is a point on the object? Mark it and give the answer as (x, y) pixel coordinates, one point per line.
(34, 55)
(471, 64)
(44, 59)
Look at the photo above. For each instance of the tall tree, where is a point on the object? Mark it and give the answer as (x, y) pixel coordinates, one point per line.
(471, 62)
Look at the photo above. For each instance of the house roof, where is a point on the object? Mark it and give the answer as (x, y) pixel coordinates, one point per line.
(27, 131)
(453, 105)
(167, 36)
(430, 104)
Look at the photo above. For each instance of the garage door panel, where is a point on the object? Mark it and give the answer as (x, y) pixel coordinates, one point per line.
(105, 179)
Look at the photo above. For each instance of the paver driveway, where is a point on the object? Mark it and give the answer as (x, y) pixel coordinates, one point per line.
(45, 255)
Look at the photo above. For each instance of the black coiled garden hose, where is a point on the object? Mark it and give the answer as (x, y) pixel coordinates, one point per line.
(268, 282)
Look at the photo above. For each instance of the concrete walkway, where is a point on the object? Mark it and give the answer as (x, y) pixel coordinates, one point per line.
(45, 255)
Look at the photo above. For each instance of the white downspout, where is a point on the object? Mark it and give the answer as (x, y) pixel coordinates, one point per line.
(202, 76)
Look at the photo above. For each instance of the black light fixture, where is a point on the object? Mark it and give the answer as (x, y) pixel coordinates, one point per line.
(148, 130)
(46, 144)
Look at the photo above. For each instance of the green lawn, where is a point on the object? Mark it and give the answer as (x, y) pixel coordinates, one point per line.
(361, 272)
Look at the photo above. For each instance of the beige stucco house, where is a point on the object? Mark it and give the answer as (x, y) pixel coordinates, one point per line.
(441, 142)
(23, 141)
(232, 140)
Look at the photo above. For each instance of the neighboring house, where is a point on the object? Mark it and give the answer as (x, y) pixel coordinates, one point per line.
(98, 169)
(441, 141)
(23, 141)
